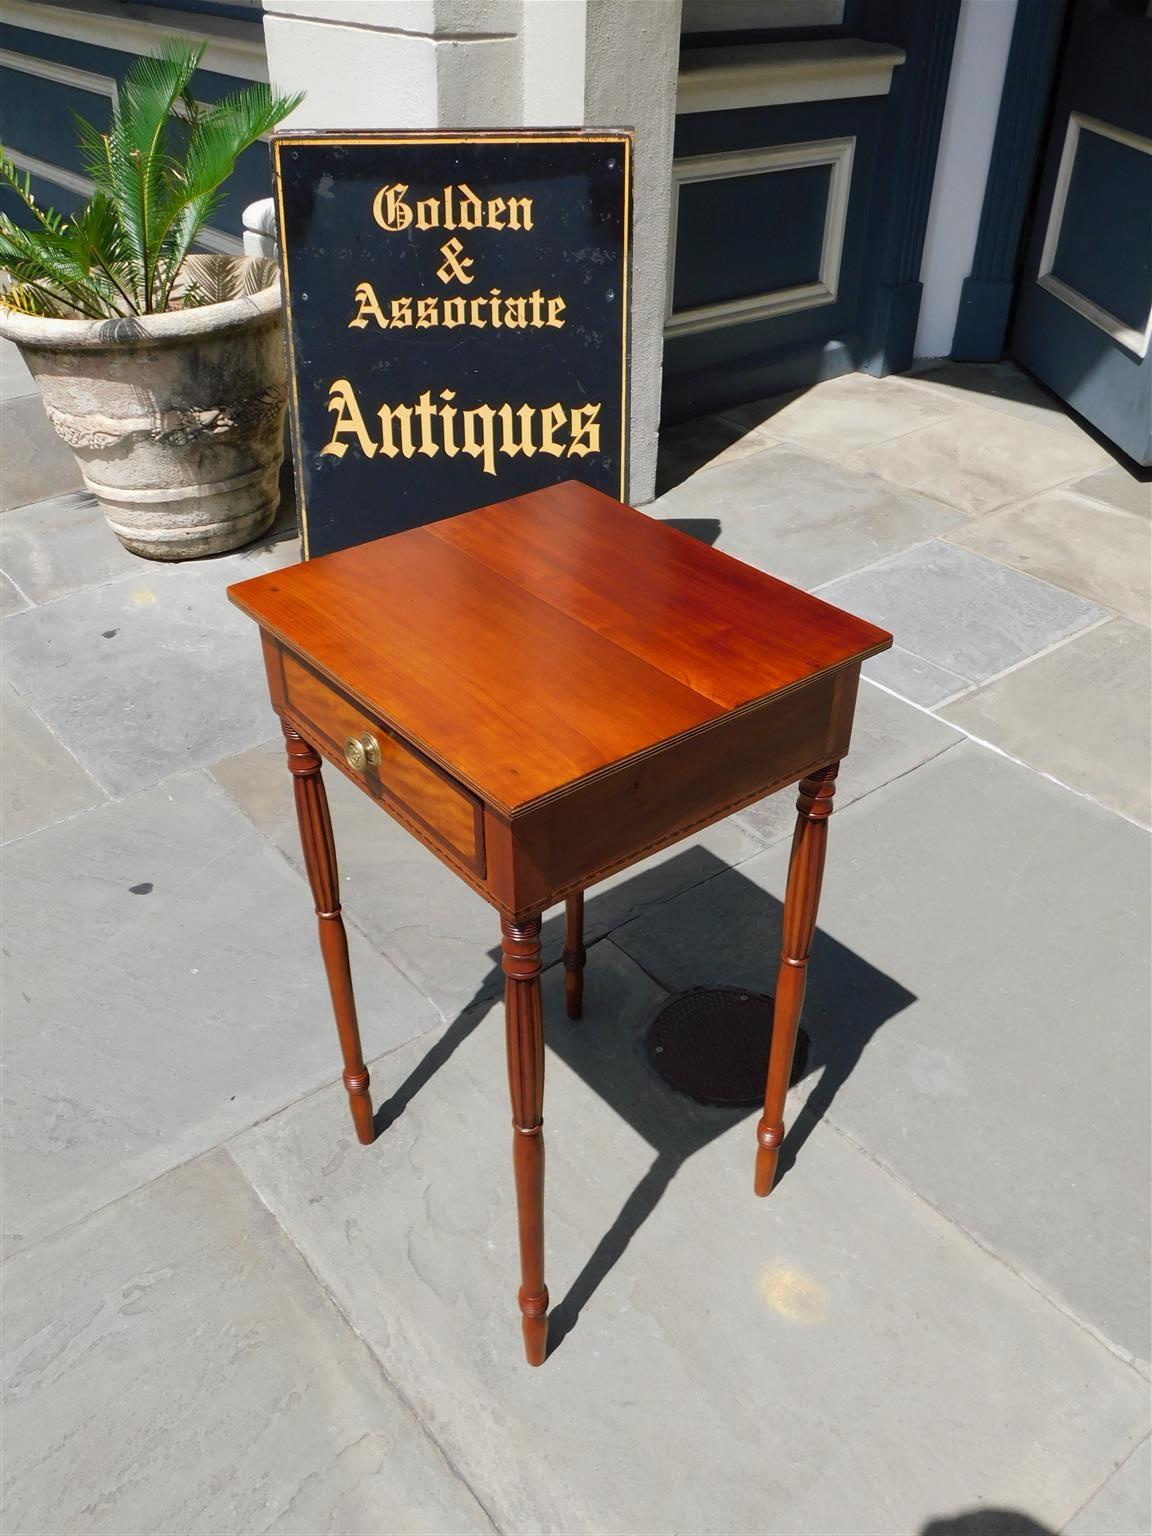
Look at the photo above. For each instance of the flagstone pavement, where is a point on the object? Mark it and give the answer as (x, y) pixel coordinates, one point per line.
(222, 1315)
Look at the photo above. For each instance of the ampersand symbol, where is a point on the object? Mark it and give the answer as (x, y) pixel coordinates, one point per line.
(453, 266)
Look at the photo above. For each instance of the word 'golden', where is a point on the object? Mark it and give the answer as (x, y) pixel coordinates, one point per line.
(502, 312)
(481, 431)
(458, 207)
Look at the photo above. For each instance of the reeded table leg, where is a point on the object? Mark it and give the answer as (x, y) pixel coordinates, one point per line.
(805, 871)
(574, 954)
(320, 861)
(524, 1027)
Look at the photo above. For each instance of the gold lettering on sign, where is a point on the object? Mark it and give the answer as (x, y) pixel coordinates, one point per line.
(457, 207)
(342, 401)
(511, 312)
(482, 432)
(390, 210)
(452, 265)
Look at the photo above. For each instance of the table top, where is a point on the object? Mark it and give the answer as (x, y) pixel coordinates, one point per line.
(533, 643)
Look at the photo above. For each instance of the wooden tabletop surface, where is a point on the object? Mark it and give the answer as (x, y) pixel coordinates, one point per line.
(529, 644)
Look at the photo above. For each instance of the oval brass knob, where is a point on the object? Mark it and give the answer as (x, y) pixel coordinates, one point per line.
(362, 752)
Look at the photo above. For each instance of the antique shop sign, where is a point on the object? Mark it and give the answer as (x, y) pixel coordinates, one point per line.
(457, 311)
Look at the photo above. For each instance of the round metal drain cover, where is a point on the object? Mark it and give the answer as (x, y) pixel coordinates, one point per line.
(712, 1044)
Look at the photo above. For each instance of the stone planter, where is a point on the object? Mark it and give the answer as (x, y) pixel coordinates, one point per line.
(176, 419)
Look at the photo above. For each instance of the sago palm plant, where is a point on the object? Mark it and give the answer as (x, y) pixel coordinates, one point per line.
(158, 174)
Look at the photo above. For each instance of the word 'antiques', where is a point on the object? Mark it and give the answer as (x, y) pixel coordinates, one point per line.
(484, 430)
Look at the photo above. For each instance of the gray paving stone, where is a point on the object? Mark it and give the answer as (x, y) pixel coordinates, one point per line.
(993, 1050)
(1079, 713)
(15, 379)
(972, 616)
(802, 518)
(999, 387)
(1120, 488)
(841, 414)
(11, 599)
(1123, 1507)
(718, 1353)
(889, 738)
(978, 459)
(442, 935)
(694, 446)
(914, 678)
(36, 462)
(1102, 552)
(40, 782)
(163, 989)
(171, 1365)
(144, 676)
(64, 545)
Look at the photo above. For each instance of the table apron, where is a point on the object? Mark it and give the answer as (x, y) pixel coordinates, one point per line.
(609, 822)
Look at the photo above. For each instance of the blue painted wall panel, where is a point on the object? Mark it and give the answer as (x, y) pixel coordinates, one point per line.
(1104, 250)
(709, 369)
(744, 235)
(251, 180)
(36, 116)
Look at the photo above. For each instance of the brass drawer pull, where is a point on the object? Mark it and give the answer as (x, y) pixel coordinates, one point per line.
(362, 752)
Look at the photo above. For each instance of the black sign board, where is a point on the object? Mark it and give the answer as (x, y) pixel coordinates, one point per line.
(457, 310)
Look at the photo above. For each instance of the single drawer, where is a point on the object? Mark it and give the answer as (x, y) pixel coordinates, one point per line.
(385, 765)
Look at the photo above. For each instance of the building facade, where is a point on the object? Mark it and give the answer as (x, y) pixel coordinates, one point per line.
(821, 185)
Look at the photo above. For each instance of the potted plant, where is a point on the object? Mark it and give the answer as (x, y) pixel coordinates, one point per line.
(162, 370)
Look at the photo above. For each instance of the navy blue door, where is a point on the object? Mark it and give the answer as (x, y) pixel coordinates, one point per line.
(1084, 311)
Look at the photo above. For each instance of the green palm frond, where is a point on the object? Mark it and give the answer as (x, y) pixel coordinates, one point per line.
(158, 172)
(217, 137)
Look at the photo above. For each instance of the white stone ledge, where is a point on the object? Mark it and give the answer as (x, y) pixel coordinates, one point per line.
(774, 74)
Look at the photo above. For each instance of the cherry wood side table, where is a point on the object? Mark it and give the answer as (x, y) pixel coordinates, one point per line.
(543, 692)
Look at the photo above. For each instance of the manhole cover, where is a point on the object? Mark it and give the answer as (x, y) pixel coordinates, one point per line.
(712, 1044)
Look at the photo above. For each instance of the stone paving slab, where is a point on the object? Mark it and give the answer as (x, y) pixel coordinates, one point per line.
(41, 782)
(1120, 488)
(1080, 713)
(15, 378)
(802, 518)
(1002, 387)
(978, 459)
(143, 677)
(702, 444)
(839, 415)
(889, 739)
(64, 545)
(172, 1366)
(1123, 1507)
(909, 675)
(36, 463)
(11, 599)
(994, 1054)
(163, 989)
(1082, 545)
(962, 612)
(442, 935)
(837, 1358)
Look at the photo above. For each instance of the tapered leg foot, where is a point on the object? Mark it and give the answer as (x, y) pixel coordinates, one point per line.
(801, 900)
(319, 850)
(574, 955)
(524, 1031)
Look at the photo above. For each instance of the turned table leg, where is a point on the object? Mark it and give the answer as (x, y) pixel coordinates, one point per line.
(805, 871)
(320, 862)
(574, 954)
(524, 1028)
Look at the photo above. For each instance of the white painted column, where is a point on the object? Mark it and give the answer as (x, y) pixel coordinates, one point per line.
(983, 37)
(503, 64)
